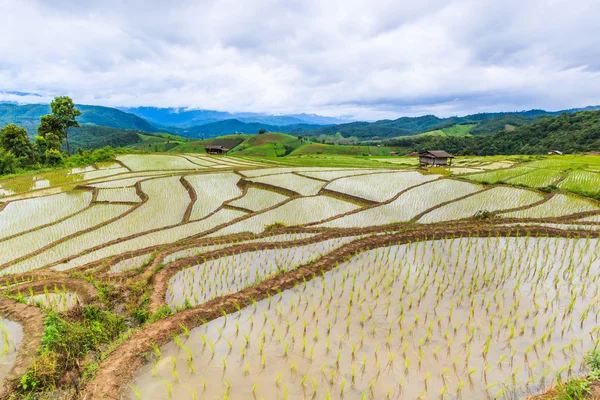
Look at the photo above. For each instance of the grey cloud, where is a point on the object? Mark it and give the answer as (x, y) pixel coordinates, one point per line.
(369, 59)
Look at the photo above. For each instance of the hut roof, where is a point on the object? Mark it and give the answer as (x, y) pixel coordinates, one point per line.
(436, 154)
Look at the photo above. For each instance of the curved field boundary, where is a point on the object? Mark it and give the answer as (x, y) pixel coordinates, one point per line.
(142, 195)
(193, 197)
(119, 368)
(94, 196)
(368, 203)
(102, 266)
(160, 280)
(86, 291)
(31, 319)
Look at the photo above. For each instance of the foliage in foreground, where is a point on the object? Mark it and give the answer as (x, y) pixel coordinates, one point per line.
(66, 341)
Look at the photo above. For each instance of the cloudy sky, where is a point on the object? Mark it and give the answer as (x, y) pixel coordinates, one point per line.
(361, 59)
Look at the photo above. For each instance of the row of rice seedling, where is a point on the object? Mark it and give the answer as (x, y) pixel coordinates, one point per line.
(131, 263)
(101, 173)
(155, 162)
(496, 165)
(166, 205)
(128, 264)
(203, 282)
(125, 195)
(295, 183)
(258, 199)
(495, 199)
(129, 179)
(22, 215)
(330, 175)
(582, 182)
(457, 318)
(55, 300)
(379, 187)
(27, 243)
(254, 173)
(212, 190)
(299, 211)
(557, 206)
(407, 206)
(158, 238)
(500, 176)
(194, 251)
(593, 218)
(11, 336)
(537, 178)
(201, 161)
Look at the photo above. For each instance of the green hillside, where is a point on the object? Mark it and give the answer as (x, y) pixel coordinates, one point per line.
(319, 148)
(197, 146)
(268, 145)
(28, 116)
(454, 130)
(568, 133)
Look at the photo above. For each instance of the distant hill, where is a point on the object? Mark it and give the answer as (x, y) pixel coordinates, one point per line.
(28, 116)
(276, 145)
(231, 126)
(568, 132)
(184, 118)
(485, 123)
(94, 137)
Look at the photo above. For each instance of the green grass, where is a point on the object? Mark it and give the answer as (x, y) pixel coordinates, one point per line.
(454, 130)
(318, 148)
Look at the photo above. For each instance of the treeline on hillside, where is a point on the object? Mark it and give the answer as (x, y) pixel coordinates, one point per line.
(569, 133)
(17, 152)
(486, 123)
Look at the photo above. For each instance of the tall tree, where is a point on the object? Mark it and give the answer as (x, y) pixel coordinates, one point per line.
(13, 138)
(50, 135)
(65, 112)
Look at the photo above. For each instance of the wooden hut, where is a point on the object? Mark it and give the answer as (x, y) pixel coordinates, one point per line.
(435, 158)
(219, 150)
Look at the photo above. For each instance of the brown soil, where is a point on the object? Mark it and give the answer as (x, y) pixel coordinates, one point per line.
(32, 320)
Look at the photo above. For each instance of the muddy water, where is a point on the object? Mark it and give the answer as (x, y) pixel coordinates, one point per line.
(11, 335)
(464, 318)
(54, 301)
(229, 274)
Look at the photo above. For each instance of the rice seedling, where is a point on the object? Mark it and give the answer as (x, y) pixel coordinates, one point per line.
(482, 346)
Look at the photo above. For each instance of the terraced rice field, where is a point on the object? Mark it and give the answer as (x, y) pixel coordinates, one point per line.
(185, 276)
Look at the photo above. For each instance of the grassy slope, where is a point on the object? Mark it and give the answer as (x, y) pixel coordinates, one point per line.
(454, 130)
(197, 146)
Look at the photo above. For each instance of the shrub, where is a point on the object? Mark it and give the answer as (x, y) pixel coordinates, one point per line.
(592, 359)
(575, 389)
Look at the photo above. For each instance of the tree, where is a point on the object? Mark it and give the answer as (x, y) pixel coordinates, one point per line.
(13, 138)
(50, 135)
(8, 162)
(65, 112)
(262, 131)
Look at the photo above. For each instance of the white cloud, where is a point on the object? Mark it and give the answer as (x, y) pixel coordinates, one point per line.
(369, 59)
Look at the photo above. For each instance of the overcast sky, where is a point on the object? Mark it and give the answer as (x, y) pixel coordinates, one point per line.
(362, 59)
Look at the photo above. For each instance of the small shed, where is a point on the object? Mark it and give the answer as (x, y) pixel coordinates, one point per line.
(413, 154)
(394, 153)
(216, 149)
(435, 158)
(555, 153)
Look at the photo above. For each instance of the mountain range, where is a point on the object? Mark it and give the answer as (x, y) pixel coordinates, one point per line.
(210, 123)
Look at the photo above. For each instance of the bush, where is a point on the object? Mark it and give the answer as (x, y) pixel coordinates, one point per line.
(592, 359)
(575, 389)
